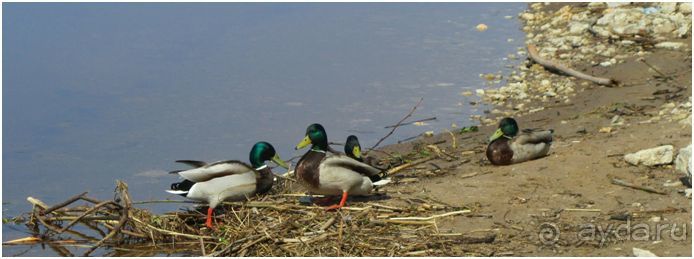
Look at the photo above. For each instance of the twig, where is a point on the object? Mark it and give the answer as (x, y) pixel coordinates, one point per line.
(328, 223)
(122, 189)
(397, 124)
(410, 122)
(549, 64)
(89, 211)
(399, 168)
(470, 239)
(433, 217)
(63, 204)
(630, 185)
(584, 210)
(453, 145)
(202, 247)
(168, 232)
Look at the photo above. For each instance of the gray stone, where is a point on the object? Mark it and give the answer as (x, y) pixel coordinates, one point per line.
(650, 157)
(683, 163)
(670, 45)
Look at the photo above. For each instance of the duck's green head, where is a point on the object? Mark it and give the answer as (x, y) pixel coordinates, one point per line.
(315, 134)
(263, 151)
(352, 147)
(507, 128)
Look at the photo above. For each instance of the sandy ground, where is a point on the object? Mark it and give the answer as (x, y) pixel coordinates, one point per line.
(576, 174)
(516, 201)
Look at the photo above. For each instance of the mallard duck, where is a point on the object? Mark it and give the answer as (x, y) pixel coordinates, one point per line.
(230, 180)
(353, 149)
(332, 174)
(508, 147)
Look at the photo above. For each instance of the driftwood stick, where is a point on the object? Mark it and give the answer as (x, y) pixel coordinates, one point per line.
(397, 124)
(410, 122)
(471, 239)
(399, 168)
(633, 186)
(65, 203)
(552, 65)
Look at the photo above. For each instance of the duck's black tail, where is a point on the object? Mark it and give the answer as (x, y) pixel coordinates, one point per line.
(181, 188)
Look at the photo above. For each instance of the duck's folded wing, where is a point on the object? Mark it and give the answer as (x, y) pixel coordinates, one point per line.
(193, 163)
(215, 170)
(535, 137)
(354, 165)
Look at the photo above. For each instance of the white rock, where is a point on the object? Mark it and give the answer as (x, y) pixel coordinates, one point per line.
(683, 163)
(527, 16)
(577, 28)
(685, 8)
(480, 92)
(668, 7)
(638, 252)
(650, 157)
(670, 45)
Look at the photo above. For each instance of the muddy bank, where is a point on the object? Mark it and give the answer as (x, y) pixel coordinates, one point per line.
(647, 49)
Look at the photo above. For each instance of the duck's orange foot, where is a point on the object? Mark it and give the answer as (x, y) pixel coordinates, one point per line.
(337, 206)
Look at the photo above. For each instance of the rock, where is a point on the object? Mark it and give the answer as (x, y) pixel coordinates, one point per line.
(668, 8)
(466, 93)
(685, 8)
(481, 27)
(527, 16)
(670, 45)
(650, 157)
(577, 28)
(638, 252)
(683, 163)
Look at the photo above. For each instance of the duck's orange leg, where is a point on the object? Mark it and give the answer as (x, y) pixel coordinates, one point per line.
(208, 223)
(342, 202)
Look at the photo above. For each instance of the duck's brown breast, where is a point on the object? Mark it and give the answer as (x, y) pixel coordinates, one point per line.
(264, 181)
(499, 152)
(307, 170)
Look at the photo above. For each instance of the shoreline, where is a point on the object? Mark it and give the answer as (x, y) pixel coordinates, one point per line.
(595, 127)
(486, 210)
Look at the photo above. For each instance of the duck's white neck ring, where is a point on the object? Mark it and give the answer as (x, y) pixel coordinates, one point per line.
(319, 151)
(261, 167)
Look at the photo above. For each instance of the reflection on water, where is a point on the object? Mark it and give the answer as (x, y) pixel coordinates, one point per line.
(98, 92)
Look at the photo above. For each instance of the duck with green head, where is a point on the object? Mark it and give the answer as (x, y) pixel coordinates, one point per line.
(332, 174)
(229, 180)
(507, 146)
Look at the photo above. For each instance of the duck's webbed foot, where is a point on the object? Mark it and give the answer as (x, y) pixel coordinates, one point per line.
(338, 206)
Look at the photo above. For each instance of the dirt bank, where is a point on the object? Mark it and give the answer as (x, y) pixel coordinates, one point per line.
(594, 127)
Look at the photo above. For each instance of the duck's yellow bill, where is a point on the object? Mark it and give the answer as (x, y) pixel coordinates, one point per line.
(304, 142)
(356, 151)
(279, 161)
(497, 134)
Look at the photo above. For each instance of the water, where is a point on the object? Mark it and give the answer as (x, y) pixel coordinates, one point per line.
(98, 92)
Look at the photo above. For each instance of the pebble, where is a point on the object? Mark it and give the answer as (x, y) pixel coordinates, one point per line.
(638, 252)
(481, 27)
(670, 45)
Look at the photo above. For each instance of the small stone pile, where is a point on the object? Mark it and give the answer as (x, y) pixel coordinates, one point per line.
(598, 34)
